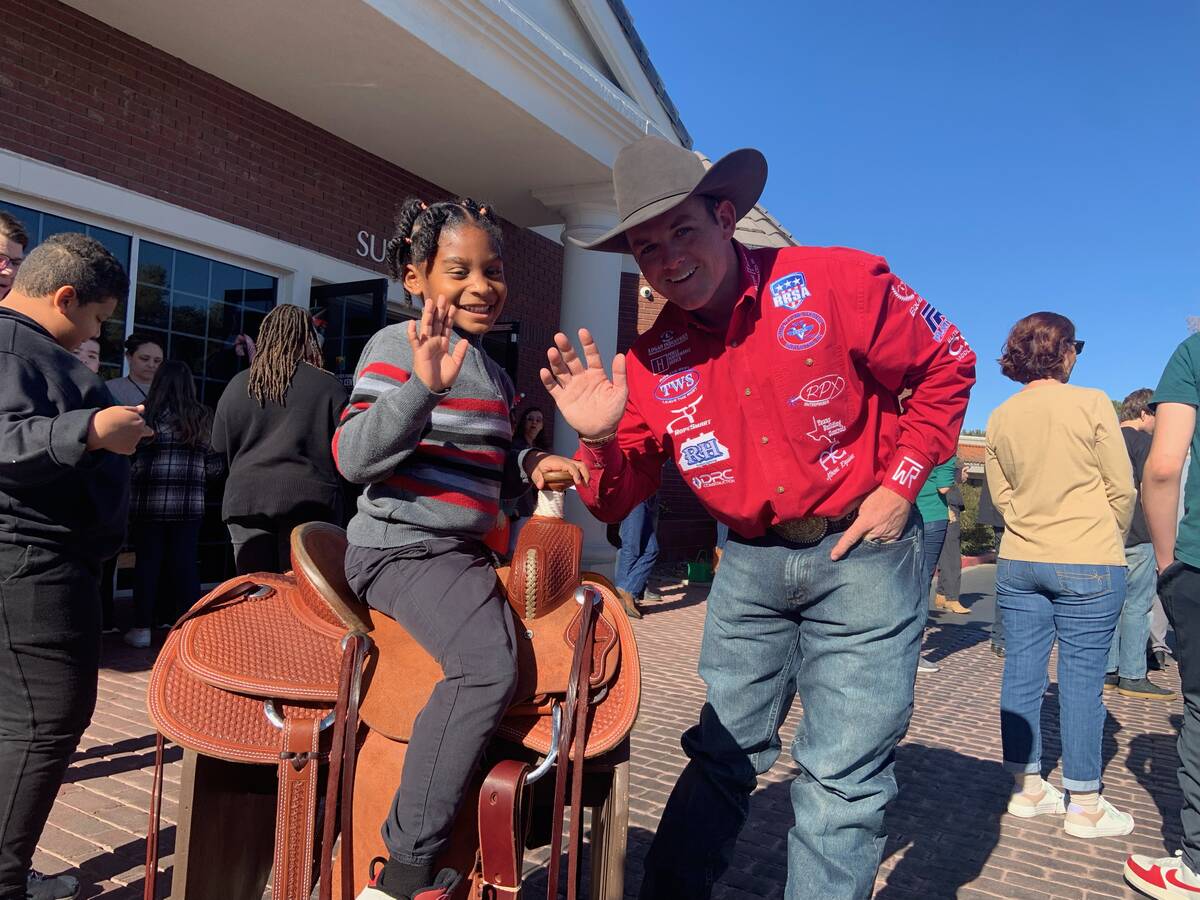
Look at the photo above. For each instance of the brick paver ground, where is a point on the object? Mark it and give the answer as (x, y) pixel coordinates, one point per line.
(948, 835)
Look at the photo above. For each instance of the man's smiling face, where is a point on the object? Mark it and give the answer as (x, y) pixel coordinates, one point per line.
(684, 253)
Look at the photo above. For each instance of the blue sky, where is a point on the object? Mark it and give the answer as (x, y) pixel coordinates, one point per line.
(1005, 158)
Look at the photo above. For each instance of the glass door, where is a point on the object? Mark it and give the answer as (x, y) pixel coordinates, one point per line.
(347, 315)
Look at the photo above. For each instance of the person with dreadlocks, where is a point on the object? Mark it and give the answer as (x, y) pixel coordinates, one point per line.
(170, 473)
(274, 424)
(428, 432)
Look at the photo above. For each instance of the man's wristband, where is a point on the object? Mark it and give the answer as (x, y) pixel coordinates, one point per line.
(597, 443)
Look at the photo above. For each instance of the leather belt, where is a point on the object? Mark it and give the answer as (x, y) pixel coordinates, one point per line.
(811, 530)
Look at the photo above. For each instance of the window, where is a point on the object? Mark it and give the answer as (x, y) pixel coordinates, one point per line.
(40, 226)
(196, 307)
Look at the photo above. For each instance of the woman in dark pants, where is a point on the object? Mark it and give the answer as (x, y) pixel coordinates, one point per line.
(170, 474)
(274, 425)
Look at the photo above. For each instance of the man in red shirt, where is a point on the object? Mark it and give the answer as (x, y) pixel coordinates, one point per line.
(771, 378)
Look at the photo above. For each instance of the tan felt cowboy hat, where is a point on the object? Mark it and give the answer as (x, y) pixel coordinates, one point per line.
(653, 176)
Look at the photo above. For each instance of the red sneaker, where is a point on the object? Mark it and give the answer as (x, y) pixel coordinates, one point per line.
(1164, 878)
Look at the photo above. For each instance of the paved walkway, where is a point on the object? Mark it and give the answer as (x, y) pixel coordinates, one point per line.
(948, 834)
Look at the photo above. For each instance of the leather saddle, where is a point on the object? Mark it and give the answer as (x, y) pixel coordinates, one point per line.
(294, 671)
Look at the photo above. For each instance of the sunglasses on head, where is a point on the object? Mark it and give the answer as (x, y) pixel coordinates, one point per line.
(1078, 347)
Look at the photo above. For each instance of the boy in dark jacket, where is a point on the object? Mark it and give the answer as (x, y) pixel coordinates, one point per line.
(64, 493)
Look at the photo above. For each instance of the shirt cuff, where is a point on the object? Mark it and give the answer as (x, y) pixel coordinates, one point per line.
(68, 436)
(907, 472)
(603, 457)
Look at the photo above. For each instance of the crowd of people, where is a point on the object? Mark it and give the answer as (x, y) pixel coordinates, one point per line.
(828, 464)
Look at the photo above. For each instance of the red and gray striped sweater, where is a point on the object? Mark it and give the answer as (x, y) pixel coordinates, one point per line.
(432, 463)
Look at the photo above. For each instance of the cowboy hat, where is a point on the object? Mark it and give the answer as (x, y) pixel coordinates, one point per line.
(652, 176)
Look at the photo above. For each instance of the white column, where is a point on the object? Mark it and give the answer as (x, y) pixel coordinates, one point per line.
(591, 298)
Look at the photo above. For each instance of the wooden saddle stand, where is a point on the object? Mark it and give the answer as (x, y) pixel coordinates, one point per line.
(293, 671)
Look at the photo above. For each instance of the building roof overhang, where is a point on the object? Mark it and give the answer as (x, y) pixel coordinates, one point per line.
(474, 95)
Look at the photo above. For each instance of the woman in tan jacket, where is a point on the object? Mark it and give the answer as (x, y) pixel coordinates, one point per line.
(1060, 476)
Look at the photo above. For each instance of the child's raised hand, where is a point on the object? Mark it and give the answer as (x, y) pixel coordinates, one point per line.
(543, 464)
(433, 362)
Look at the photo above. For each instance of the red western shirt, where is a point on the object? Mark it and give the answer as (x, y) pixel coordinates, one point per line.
(791, 409)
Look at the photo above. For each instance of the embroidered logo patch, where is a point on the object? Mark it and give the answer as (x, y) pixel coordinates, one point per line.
(713, 479)
(790, 291)
(676, 386)
(801, 330)
(702, 450)
(820, 391)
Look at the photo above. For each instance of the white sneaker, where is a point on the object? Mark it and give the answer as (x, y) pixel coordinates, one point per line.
(925, 667)
(138, 637)
(1051, 804)
(1113, 823)
(1164, 878)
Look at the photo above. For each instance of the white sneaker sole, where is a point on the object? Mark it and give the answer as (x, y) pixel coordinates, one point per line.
(1098, 831)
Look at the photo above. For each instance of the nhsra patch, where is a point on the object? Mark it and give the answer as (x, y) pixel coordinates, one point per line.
(801, 330)
(790, 291)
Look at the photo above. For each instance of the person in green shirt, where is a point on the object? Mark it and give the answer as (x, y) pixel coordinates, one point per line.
(931, 503)
(1177, 560)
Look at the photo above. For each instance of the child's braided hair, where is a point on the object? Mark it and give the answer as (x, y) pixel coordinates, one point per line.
(419, 228)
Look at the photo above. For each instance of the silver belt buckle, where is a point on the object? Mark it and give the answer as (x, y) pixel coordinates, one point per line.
(808, 530)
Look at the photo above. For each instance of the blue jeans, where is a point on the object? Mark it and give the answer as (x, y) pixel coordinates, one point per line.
(1127, 656)
(844, 635)
(935, 536)
(1079, 604)
(639, 547)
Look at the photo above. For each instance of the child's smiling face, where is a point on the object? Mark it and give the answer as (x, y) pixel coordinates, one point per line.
(467, 270)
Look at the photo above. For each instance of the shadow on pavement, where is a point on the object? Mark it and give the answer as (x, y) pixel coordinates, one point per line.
(1153, 761)
(946, 820)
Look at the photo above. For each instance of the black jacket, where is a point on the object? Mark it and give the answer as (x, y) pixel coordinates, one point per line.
(280, 458)
(54, 493)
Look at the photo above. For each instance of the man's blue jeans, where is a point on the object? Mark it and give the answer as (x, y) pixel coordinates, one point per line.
(1128, 653)
(1079, 604)
(844, 635)
(639, 547)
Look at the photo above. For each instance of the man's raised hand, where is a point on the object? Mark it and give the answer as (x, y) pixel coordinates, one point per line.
(433, 362)
(590, 403)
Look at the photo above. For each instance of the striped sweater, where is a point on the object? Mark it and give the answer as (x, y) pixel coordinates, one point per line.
(433, 463)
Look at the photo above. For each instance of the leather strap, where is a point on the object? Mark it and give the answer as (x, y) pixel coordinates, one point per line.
(150, 885)
(575, 845)
(296, 809)
(502, 828)
(581, 664)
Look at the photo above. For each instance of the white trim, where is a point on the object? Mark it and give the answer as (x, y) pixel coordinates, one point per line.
(518, 58)
(52, 189)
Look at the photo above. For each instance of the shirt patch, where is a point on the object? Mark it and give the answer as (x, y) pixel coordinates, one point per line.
(702, 450)
(790, 291)
(820, 391)
(834, 461)
(907, 472)
(668, 352)
(957, 345)
(685, 418)
(712, 479)
(826, 429)
(677, 386)
(801, 330)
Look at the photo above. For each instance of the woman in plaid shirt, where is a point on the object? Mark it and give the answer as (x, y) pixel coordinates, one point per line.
(170, 472)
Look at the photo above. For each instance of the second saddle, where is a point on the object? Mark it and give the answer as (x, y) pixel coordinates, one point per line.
(294, 670)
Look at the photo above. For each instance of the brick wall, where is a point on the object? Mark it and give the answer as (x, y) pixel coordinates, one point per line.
(84, 96)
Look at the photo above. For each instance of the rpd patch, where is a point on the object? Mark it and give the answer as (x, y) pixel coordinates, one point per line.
(790, 291)
(677, 385)
(702, 450)
(801, 330)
